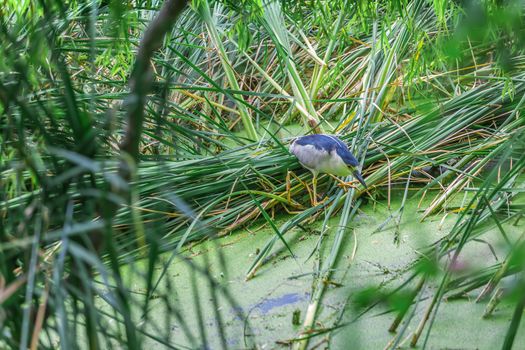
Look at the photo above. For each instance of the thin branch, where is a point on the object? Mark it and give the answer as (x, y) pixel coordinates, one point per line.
(141, 79)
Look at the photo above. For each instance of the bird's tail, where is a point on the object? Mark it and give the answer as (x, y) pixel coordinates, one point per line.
(358, 176)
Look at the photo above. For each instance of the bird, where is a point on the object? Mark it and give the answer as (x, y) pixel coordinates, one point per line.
(328, 154)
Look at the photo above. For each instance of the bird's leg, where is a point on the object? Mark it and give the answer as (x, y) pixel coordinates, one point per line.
(314, 184)
(315, 202)
(344, 185)
(341, 182)
(290, 174)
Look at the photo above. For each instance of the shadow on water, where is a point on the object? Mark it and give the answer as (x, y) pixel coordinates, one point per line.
(287, 299)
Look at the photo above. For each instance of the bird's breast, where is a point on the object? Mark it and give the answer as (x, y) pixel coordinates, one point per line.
(334, 164)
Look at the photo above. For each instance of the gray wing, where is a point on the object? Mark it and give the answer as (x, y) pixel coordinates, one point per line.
(346, 155)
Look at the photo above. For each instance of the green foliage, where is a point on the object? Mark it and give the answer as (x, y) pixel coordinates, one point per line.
(410, 85)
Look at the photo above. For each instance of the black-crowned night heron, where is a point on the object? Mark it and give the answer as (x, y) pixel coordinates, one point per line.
(325, 154)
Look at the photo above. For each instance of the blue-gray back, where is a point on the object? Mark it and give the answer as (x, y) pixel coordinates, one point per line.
(329, 143)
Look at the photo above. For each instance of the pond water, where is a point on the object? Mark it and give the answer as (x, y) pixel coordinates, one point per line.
(269, 309)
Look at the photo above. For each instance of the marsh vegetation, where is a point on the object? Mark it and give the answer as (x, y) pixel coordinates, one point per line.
(141, 136)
